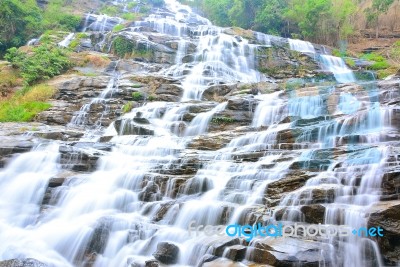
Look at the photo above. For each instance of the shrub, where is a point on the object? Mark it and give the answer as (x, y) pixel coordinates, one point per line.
(122, 46)
(151, 98)
(41, 92)
(109, 10)
(24, 105)
(118, 28)
(44, 63)
(129, 16)
(97, 60)
(137, 96)
(127, 107)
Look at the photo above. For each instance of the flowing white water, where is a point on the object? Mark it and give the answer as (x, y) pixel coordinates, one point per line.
(301, 46)
(67, 40)
(338, 67)
(144, 191)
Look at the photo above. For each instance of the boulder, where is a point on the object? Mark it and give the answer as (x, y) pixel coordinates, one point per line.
(236, 253)
(166, 253)
(387, 216)
(22, 263)
(286, 252)
(132, 128)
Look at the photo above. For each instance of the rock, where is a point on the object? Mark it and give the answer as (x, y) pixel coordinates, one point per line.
(211, 141)
(169, 89)
(291, 182)
(166, 253)
(387, 216)
(242, 103)
(236, 253)
(206, 258)
(131, 128)
(22, 263)
(220, 247)
(313, 214)
(215, 92)
(151, 263)
(150, 193)
(291, 252)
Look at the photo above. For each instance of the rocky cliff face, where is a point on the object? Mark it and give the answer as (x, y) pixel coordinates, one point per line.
(210, 125)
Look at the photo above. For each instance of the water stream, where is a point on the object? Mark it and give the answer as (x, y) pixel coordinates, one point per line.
(149, 188)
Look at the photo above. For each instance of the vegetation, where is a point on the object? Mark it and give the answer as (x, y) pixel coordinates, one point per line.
(151, 98)
(222, 120)
(42, 63)
(118, 28)
(127, 107)
(21, 20)
(24, 105)
(122, 46)
(321, 21)
(137, 96)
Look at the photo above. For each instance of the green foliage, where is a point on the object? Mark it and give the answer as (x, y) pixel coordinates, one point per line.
(222, 120)
(122, 46)
(56, 16)
(21, 112)
(350, 62)
(217, 11)
(270, 18)
(127, 107)
(110, 10)
(379, 65)
(131, 5)
(137, 96)
(118, 28)
(326, 21)
(151, 98)
(43, 63)
(24, 105)
(380, 62)
(20, 20)
(129, 16)
(156, 3)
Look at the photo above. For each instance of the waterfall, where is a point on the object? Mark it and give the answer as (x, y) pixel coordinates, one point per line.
(67, 40)
(301, 46)
(323, 147)
(338, 67)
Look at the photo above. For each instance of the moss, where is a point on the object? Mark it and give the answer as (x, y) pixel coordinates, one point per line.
(151, 98)
(137, 96)
(127, 107)
(118, 28)
(350, 62)
(222, 120)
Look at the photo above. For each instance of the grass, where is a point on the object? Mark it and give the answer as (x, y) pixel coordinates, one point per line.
(137, 96)
(97, 60)
(26, 103)
(151, 98)
(127, 107)
(129, 16)
(118, 28)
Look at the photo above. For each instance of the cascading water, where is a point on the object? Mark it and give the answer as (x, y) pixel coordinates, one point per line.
(150, 186)
(338, 67)
(67, 40)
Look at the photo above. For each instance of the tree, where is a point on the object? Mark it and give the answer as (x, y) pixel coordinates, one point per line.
(378, 8)
(217, 11)
(19, 22)
(270, 18)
